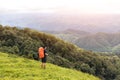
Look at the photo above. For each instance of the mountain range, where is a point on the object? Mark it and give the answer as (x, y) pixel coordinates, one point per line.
(59, 22)
(100, 42)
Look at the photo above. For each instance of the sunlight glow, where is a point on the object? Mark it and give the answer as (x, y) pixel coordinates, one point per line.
(62, 6)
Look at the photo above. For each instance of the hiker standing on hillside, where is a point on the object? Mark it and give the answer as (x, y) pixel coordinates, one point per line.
(43, 56)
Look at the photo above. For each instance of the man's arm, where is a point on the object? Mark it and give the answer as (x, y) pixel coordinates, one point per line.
(46, 54)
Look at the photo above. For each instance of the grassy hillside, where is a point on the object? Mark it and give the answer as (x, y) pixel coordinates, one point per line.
(13, 67)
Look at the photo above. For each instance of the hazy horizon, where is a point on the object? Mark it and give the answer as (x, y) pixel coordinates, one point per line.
(87, 15)
(100, 23)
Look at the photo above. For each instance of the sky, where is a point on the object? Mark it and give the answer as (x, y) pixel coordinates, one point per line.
(61, 6)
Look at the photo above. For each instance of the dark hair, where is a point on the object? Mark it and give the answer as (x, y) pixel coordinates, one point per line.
(44, 46)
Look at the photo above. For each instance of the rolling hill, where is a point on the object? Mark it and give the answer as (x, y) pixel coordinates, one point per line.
(70, 35)
(99, 42)
(13, 67)
(25, 42)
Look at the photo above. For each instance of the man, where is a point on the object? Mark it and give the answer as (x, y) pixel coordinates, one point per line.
(43, 53)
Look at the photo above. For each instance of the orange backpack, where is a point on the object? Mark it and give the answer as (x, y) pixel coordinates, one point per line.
(41, 52)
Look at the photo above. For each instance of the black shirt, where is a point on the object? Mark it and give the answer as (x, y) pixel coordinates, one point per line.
(44, 53)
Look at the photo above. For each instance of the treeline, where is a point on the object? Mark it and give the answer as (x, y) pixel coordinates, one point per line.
(25, 42)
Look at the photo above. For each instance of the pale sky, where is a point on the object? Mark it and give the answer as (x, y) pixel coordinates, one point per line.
(61, 6)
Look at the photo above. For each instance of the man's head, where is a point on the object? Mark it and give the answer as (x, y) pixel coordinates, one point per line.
(44, 47)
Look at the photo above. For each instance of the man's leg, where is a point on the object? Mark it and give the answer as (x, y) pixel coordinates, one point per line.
(44, 65)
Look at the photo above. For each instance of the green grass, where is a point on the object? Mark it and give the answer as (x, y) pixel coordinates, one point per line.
(13, 67)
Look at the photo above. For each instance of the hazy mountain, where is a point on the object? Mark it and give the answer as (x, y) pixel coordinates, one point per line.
(100, 42)
(70, 35)
(55, 22)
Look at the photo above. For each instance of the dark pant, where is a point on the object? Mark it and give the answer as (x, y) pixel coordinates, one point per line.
(44, 60)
